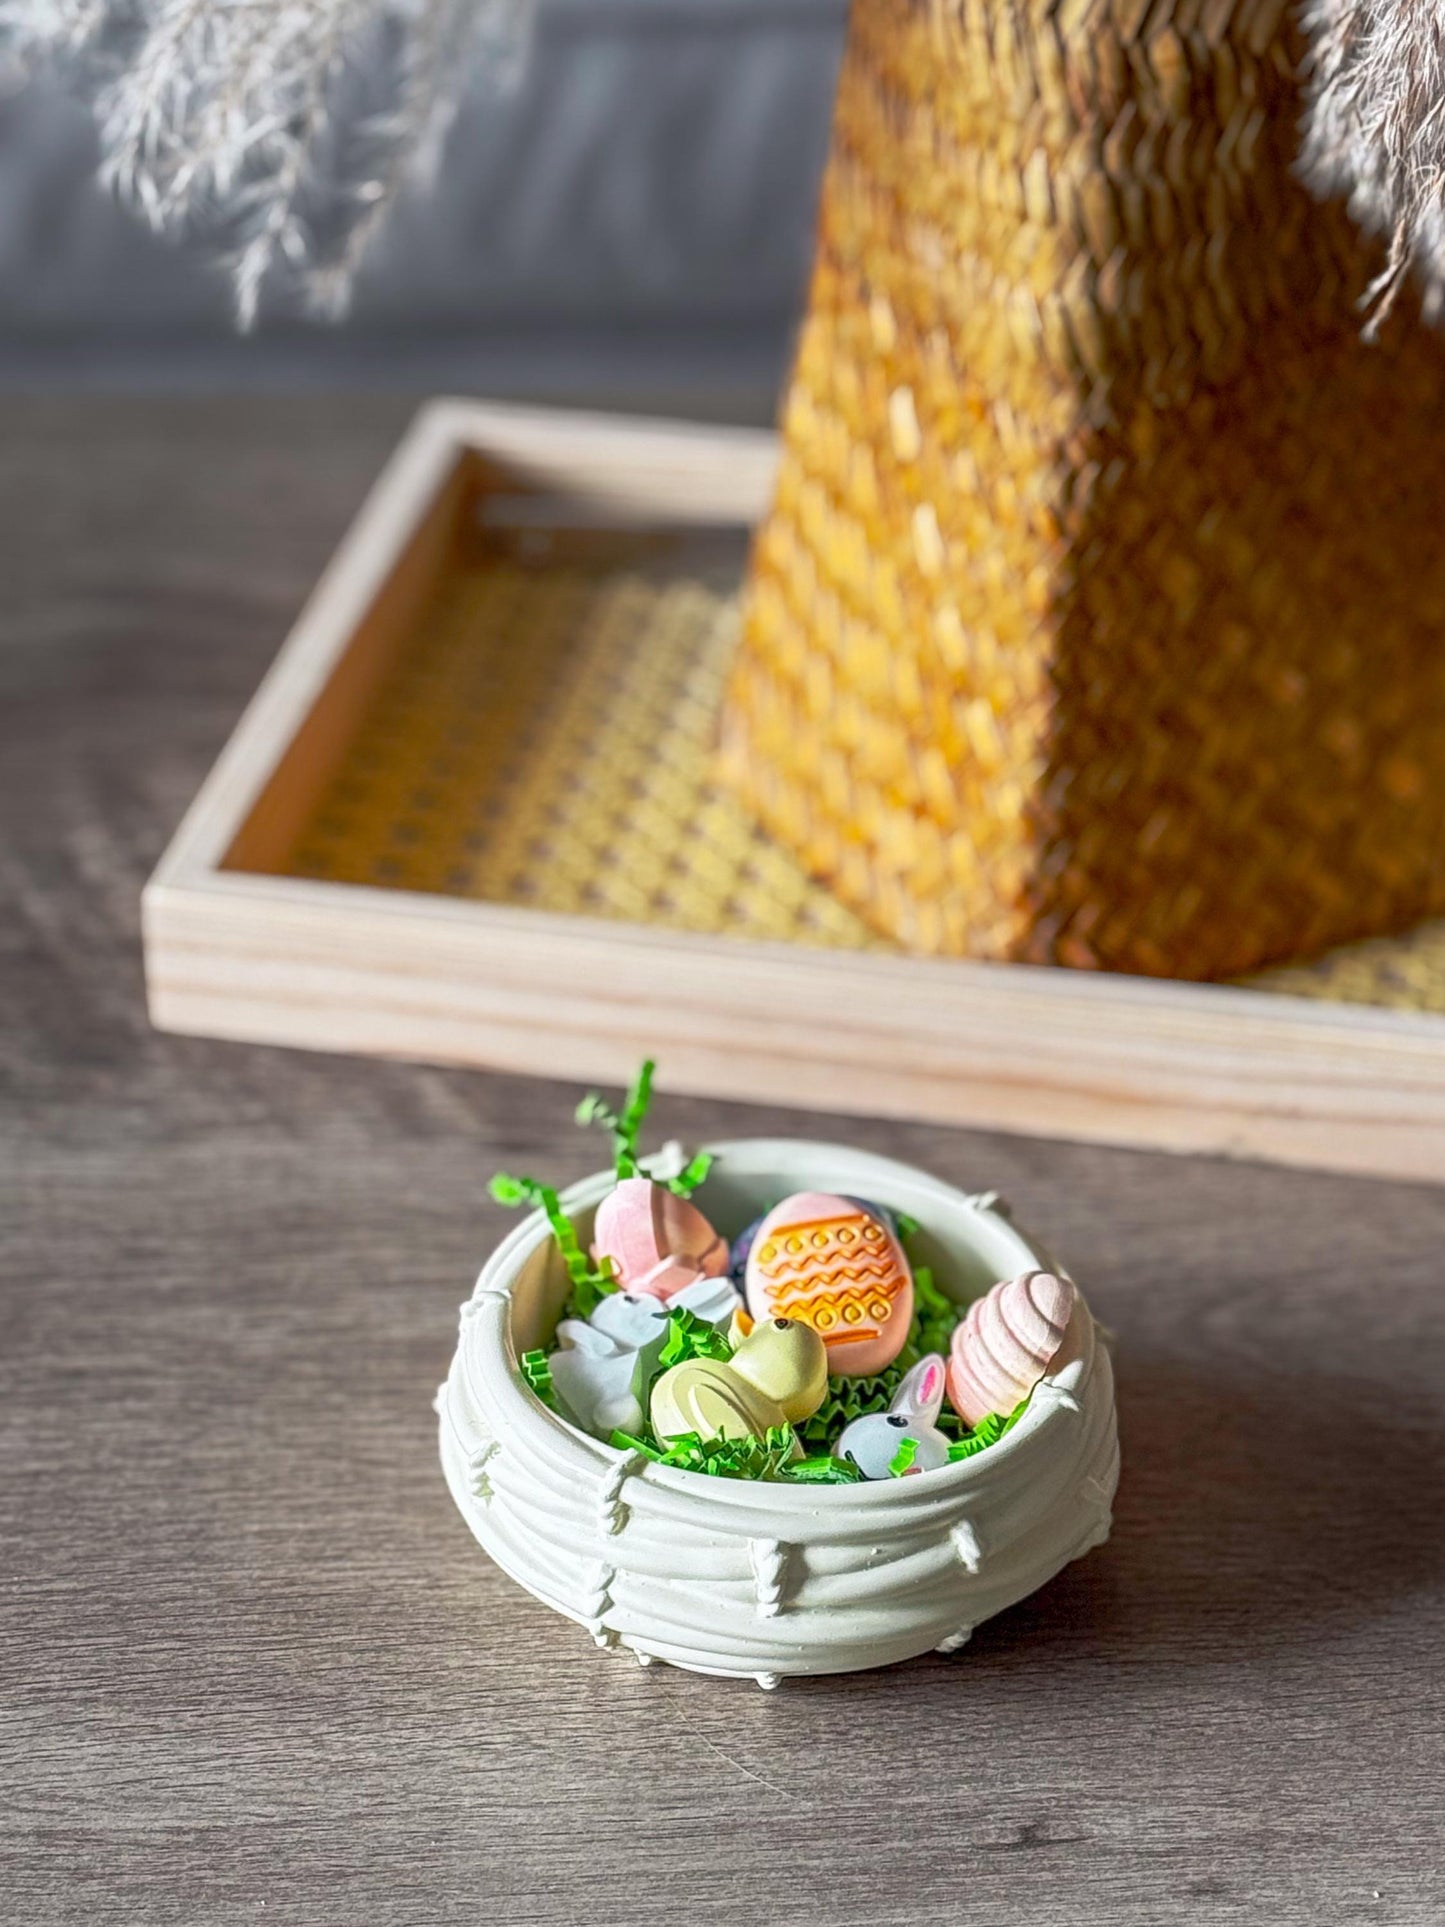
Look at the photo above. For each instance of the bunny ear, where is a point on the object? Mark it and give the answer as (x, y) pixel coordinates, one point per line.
(921, 1393)
(578, 1336)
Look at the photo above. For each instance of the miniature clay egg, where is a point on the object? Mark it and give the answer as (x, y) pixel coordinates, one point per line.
(836, 1264)
(1006, 1343)
(658, 1242)
(777, 1376)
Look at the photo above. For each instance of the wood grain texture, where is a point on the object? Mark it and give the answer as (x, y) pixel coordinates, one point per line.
(252, 1666)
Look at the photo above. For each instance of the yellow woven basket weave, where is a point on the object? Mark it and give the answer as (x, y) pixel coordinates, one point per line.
(575, 775)
(1100, 617)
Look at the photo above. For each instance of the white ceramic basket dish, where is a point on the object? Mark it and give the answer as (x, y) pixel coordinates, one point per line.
(752, 1579)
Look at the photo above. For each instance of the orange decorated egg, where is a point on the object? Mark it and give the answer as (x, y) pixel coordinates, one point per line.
(658, 1242)
(837, 1266)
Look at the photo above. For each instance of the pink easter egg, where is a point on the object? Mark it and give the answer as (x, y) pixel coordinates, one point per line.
(1006, 1343)
(833, 1264)
(658, 1242)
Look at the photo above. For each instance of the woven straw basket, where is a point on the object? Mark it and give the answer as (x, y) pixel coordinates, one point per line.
(761, 1580)
(1098, 618)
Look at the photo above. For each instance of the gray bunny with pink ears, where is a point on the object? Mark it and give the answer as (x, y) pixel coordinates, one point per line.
(872, 1442)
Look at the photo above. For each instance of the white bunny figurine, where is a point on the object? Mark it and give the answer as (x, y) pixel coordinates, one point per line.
(603, 1362)
(872, 1442)
(596, 1378)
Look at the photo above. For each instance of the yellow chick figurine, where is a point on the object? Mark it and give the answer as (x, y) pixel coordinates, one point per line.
(777, 1376)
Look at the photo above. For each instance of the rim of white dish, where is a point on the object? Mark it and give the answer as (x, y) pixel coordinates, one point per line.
(499, 1273)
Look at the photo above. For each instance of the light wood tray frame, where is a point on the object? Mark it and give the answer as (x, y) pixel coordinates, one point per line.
(235, 951)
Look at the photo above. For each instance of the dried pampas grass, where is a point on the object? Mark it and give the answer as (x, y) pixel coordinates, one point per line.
(1375, 132)
(288, 128)
(285, 128)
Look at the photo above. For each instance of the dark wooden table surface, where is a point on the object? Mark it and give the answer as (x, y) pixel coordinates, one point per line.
(252, 1666)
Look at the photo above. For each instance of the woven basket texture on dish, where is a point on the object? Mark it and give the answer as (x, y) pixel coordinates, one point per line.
(1099, 615)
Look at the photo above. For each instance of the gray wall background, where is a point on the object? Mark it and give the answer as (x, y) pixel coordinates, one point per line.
(632, 225)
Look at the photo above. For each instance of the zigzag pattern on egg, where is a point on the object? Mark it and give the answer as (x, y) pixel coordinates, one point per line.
(811, 1243)
(837, 1266)
(828, 1263)
(826, 1273)
(871, 1294)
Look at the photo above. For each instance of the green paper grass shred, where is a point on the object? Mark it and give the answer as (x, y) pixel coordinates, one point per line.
(590, 1283)
(538, 1374)
(689, 1336)
(731, 1458)
(902, 1460)
(629, 1125)
(951, 1425)
(823, 1469)
(625, 1127)
(691, 1175)
(988, 1431)
(589, 1290)
(770, 1457)
(934, 1315)
(595, 1109)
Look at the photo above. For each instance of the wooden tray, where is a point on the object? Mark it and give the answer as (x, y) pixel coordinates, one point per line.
(469, 817)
